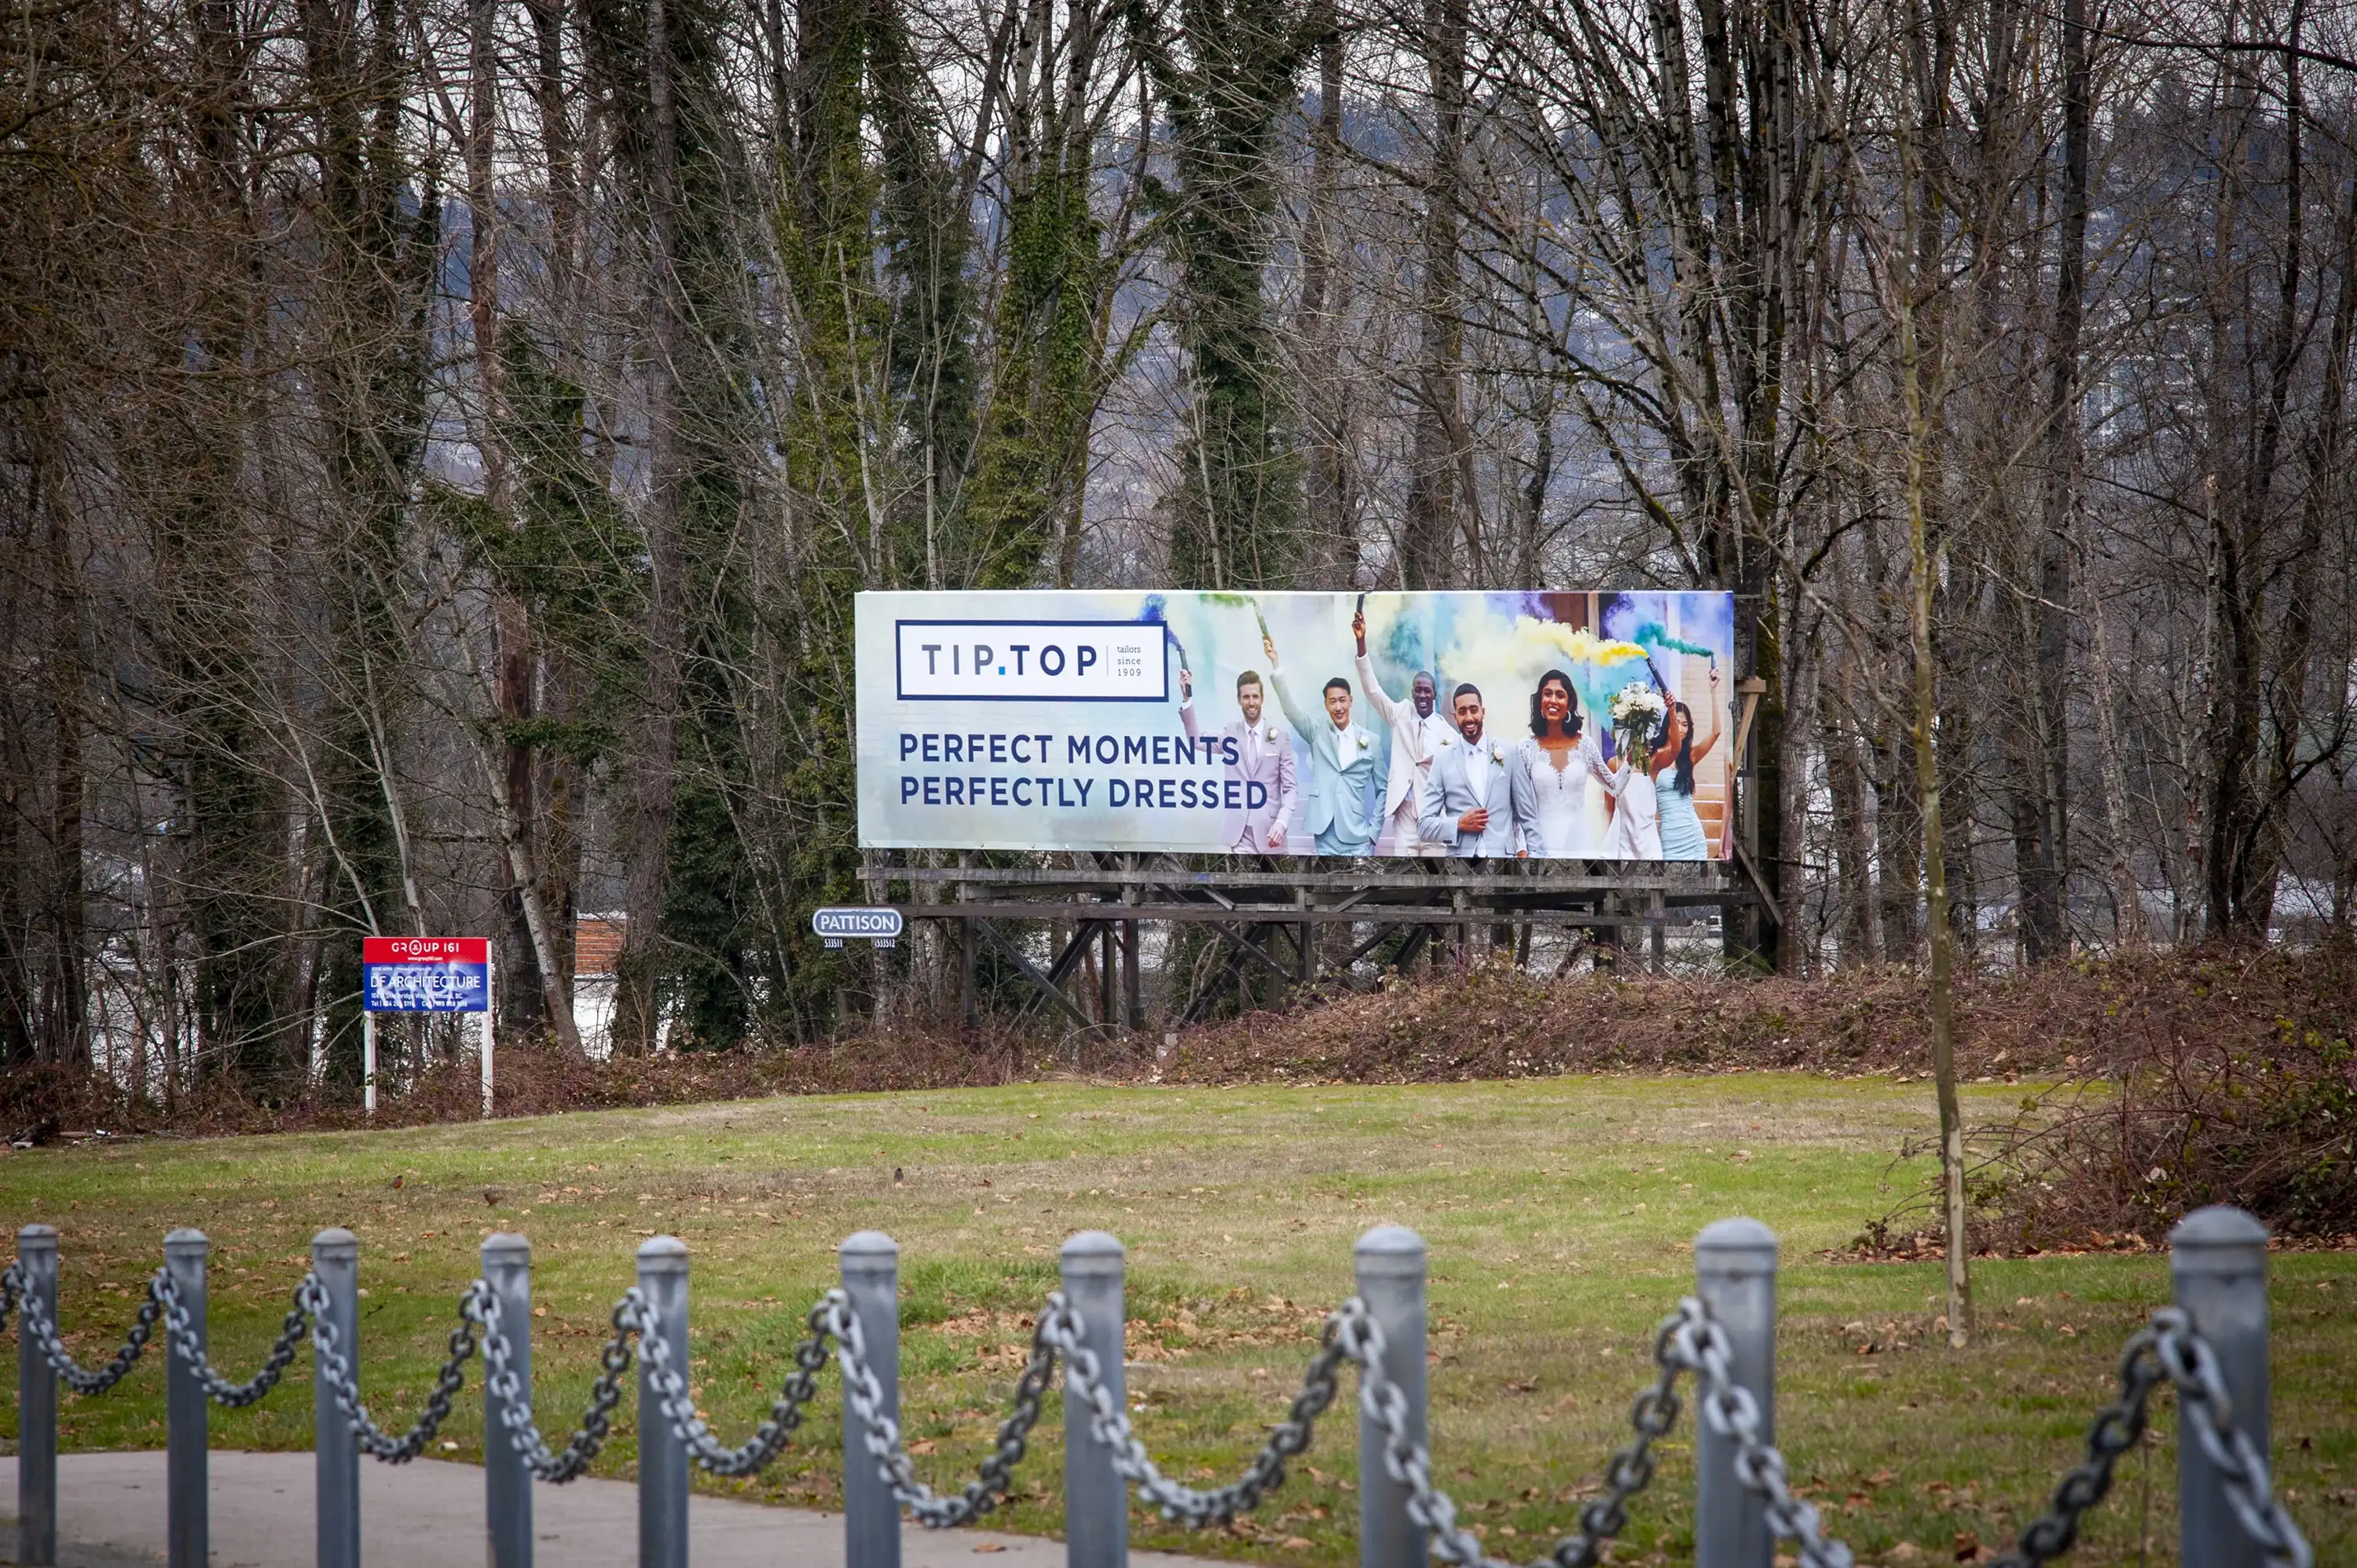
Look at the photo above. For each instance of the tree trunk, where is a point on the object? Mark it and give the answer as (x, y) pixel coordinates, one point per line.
(636, 1007)
(1433, 506)
(1929, 738)
(2324, 458)
(1846, 786)
(2045, 893)
(1333, 545)
(2127, 895)
(64, 1016)
(2237, 818)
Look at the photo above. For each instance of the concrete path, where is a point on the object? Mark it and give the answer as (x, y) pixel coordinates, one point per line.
(111, 1515)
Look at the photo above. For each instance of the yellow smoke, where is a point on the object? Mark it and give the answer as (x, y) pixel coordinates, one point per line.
(1580, 645)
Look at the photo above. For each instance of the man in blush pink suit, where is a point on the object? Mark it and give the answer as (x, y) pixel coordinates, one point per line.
(1258, 754)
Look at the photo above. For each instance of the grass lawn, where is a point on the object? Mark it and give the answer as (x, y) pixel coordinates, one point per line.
(1558, 1213)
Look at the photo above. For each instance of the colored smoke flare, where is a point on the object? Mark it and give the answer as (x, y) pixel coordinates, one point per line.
(1237, 602)
(1581, 644)
(1653, 634)
(1155, 612)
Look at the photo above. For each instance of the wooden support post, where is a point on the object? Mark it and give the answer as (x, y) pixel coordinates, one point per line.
(1744, 926)
(1305, 944)
(1108, 978)
(969, 1005)
(967, 1002)
(1133, 1010)
(1133, 1013)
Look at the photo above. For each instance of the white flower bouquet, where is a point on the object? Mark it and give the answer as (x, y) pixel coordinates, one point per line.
(1637, 713)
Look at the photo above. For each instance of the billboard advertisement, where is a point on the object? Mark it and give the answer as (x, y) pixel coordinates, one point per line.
(1551, 726)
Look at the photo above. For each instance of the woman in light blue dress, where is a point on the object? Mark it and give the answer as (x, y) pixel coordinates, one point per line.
(1673, 759)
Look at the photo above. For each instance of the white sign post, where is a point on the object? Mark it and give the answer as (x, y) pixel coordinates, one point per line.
(490, 1027)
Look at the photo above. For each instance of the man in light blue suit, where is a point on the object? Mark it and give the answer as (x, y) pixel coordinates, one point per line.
(1465, 802)
(1343, 758)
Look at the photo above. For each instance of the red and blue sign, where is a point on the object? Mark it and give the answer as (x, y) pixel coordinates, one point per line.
(426, 974)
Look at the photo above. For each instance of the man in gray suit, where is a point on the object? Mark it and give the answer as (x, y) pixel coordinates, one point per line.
(1464, 802)
(1260, 764)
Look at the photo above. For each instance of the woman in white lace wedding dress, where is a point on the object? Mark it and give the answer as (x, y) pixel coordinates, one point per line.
(1551, 774)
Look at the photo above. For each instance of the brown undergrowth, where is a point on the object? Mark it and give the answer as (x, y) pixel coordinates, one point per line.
(2058, 1019)
(48, 1104)
(2257, 1110)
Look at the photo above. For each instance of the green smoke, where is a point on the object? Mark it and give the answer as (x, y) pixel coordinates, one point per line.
(1653, 634)
(1238, 602)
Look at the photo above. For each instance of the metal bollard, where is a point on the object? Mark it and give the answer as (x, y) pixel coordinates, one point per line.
(37, 1404)
(1390, 1260)
(2219, 1257)
(1735, 1276)
(336, 1451)
(507, 1479)
(871, 1515)
(1096, 1500)
(663, 1458)
(187, 1531)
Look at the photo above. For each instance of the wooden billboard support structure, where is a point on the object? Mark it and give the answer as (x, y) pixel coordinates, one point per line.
(1266, 914)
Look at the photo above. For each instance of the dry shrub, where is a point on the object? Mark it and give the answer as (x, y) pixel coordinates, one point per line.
(1494, 1021)
(49, 1103)
(2175, 1125)
(2258, 1111)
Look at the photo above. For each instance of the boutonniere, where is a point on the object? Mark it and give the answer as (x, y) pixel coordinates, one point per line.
(1362, 743)
(1269, 734)
(1495, 755)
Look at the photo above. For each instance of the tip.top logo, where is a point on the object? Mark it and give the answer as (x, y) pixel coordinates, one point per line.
(1032, 660)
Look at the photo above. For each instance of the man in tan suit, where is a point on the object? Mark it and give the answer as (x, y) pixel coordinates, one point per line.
(1418, 732)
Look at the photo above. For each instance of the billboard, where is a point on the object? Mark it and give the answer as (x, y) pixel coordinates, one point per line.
(426, 974)
(1553, 725)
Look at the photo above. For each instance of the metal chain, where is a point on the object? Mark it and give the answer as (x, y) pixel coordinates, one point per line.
(1687, 1341)
(36, 1322)
(2204, 1409)
(1702, 1346)
(1409, 1463)
(1061, 1328)
(12, 1282)
(785, 1411)
(2167, 1349)
(335, 1370)
(502, 1381)
(2117, 1428)
(1653, 1414)
(180, 1329)
(864, 1395)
